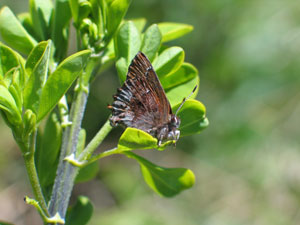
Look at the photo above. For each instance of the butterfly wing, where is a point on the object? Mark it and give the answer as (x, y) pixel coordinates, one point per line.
(141, 102)
(142, 68)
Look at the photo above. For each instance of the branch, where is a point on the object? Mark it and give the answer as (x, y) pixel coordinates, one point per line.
(32, 173)
(66, 173)
(95, 142)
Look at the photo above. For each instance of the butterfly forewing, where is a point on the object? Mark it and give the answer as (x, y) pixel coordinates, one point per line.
(143, 71)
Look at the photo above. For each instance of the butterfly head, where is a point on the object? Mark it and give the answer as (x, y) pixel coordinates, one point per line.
(174, 123)
(169, 131)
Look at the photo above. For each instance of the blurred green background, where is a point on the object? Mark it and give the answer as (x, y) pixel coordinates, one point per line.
(247, 162)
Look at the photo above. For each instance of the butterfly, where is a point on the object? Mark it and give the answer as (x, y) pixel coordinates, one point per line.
(142, 103)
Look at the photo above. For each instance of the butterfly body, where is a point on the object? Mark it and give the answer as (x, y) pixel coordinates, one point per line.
(142, 103)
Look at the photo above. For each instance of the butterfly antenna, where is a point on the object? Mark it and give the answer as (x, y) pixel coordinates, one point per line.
(184, 99)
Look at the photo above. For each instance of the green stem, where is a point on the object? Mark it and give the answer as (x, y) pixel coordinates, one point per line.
(95, 142)
(32, 173)
(78, 40)
(66, 173)
(105, 154)
(46, 219)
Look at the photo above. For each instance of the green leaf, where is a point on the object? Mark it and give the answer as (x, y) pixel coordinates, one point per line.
(36, 55)
(168, 61)
(60, 32)
(122, 68)
(176, 94)
(85, 8)
(88, 172)
(151, 42)
(60, 81)
(74, 6)
(14, 33)
(127, 42)
(8, 105)
(8, 77)
(103, 15)
(166, 182)
(15, 88)
(47, 152)
(116, 10)
(16, 75)
(37, 67)
(41, 13)
(80, 213)
(25, 20)
(184, 74)
(139, 23)
(133, 138)
(8, 59)
(171, 31)
(192, 116)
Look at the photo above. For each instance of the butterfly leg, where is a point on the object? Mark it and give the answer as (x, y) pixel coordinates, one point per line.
(162, 134)
(159, 143)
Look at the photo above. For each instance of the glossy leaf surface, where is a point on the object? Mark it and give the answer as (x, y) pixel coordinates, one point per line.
(13, 33)
(61, 80)
(151, 42)
(171, 31)
(168, 61)
(193, 117)
(37, 68)
(80, 213)
(166, 182)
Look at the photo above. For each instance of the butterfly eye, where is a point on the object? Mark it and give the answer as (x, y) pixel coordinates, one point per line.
(175, 121)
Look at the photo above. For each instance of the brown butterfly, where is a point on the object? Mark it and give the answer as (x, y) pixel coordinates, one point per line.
(142, 103)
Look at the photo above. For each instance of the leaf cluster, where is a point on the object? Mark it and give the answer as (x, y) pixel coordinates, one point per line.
(37, 78)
